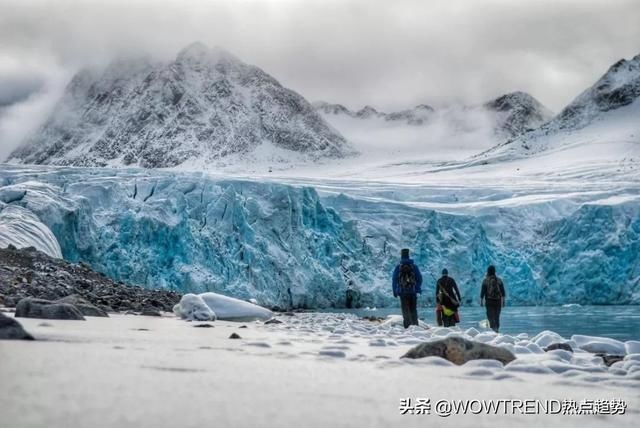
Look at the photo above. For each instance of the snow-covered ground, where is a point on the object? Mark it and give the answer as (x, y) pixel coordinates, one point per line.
(322, 369)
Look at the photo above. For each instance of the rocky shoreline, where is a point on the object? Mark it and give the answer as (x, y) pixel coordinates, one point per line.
(29, 273)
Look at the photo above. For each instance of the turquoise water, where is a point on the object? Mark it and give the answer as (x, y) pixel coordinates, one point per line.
(618, 322)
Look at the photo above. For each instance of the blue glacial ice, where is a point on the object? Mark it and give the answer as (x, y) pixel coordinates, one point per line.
(291, 245)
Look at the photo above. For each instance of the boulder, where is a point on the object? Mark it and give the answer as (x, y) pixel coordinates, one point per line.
(459, 350)
(40, 308)
(86, 308)
(10, 302)
(11, 329)
(150, 312)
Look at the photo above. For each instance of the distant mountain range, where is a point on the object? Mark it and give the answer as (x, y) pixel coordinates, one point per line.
(204, 105)
(512, 114)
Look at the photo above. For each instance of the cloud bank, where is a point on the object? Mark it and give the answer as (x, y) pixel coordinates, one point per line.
(391, 55)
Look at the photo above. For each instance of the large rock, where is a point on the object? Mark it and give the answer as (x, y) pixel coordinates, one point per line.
(459, 351)
(40, 308)
(86, 308)
(11, 329)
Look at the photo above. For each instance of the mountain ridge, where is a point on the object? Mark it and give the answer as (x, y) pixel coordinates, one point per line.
(205, 103)
(516, 113)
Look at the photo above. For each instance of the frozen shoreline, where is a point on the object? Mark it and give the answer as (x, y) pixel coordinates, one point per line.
(323, 369)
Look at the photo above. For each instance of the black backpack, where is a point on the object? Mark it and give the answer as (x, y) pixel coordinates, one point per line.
(493, 288)
(407, 278)
(444, 297)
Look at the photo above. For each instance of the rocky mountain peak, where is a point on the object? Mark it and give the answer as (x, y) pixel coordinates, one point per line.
(204, 105)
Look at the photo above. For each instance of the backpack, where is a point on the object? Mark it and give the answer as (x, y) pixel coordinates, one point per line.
(493, 288)
(407, 278)
(445, 298)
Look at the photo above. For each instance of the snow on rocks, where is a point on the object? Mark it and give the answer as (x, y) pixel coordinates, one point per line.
(346, 336)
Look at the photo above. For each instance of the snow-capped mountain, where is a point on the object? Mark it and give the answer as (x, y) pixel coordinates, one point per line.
(204, 105)
(619, 87)
(517, 113)
(606, 113)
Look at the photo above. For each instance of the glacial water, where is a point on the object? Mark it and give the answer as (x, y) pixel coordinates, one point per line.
(617, 322)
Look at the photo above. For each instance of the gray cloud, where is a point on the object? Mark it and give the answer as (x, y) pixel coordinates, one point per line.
(390, 54)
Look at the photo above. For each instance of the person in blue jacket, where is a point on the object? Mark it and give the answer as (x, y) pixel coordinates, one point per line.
(407, 284)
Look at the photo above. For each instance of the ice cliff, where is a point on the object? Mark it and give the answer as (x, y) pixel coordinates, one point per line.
(284, 244)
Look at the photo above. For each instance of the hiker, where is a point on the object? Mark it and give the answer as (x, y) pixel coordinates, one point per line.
(448, 300)
(493, 294)
(353, 295)
(407, 283)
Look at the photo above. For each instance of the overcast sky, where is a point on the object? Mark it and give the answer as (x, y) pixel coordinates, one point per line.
(391, 54)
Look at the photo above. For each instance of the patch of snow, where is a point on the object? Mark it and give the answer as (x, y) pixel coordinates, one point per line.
(22, 228)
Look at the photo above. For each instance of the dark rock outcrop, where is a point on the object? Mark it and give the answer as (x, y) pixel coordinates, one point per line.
(86, 308)
(459, 351)
(40, 308)
(150, 312)
(11, 329)
(31, 273)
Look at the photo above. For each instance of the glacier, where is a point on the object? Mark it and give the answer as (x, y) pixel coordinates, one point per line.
(302, 244)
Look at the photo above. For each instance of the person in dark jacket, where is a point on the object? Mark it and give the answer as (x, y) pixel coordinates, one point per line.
(493, 294)
(407, 284)
(448, 298)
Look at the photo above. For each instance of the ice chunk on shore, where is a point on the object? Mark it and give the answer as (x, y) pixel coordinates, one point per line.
(230, 309)
(193, 308)
(599, 344)
(22, 228)
(632, 347)
(546, 338)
